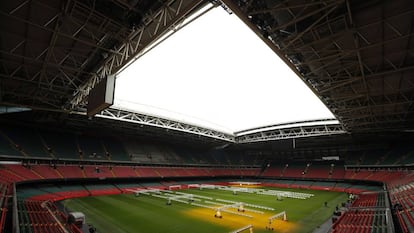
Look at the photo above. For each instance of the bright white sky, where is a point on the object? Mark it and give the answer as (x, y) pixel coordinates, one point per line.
(217, 73)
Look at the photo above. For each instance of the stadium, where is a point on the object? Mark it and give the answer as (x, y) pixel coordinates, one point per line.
(71, 161)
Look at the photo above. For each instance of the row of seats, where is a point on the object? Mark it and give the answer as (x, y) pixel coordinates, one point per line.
(63, 192)
(306, 170)
(367, 200)
(366, 214)
(355, 221)
(30, 143)
(15, 172)
(56, 193)
(377, 175)
(3, 204)
(18, 141)
(331, 171)
(401, 191)
(43, 217)
(402, 198)
(25, 142)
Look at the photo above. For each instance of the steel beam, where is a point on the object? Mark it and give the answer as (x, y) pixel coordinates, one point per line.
(171, 14)
(294, 132)
(143, 119)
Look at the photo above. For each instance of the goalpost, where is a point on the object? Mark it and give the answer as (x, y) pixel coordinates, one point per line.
(174, 187)
(147, 192)
(238, 205)
(281, 215)
(248, 227)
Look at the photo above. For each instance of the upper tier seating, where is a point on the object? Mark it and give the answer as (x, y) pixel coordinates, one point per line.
(124, 171)
(21, 142)
(92, 148)
(61, 145)
(314, 170)
(27, 141)
(15, 172)
(115, 149)
(71, 171)
(3, 204)
(294, 170)
(8, 147)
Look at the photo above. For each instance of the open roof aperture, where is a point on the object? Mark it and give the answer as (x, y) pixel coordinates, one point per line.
(216, 73)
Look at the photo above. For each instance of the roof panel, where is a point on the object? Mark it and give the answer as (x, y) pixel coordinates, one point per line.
(356, 55)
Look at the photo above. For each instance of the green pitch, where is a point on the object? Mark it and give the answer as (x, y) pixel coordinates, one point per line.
(130, 214)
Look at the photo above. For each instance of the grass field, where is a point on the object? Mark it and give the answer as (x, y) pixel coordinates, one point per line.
(130, 214)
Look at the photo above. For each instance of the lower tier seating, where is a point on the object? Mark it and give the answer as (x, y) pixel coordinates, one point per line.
(400, 183)
(43, 217)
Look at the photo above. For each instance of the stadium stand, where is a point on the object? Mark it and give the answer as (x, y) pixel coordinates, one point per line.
(336, 171)
(294, 170)
(401, 195)
(22, 172)
(44, 217)
(367, 213)
(102, 189)
(192, 171)
(361, 209)
(115, 150)
(18, 172)
(372, 157)
(407, 158)
(273, 171)
(318, 170)
(3, 204)
(71, 171)
(124, 171)
(314, 170)
(8, 147)
(26, 140)
(355, 56)
(46, 171)
(98, 171)
(61, 144)
(322, 185)
(91, 148)
(361, 221)
(249, 172)
(65, 157)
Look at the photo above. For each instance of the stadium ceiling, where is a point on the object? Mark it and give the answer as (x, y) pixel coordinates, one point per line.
(269, 133)
(54, 51)
(357, 56)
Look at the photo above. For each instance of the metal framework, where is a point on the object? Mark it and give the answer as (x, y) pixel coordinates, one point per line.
(143, 119)
(357, 56)
(167, 18)
(275, 132)
(53, 52)
(296, 130)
